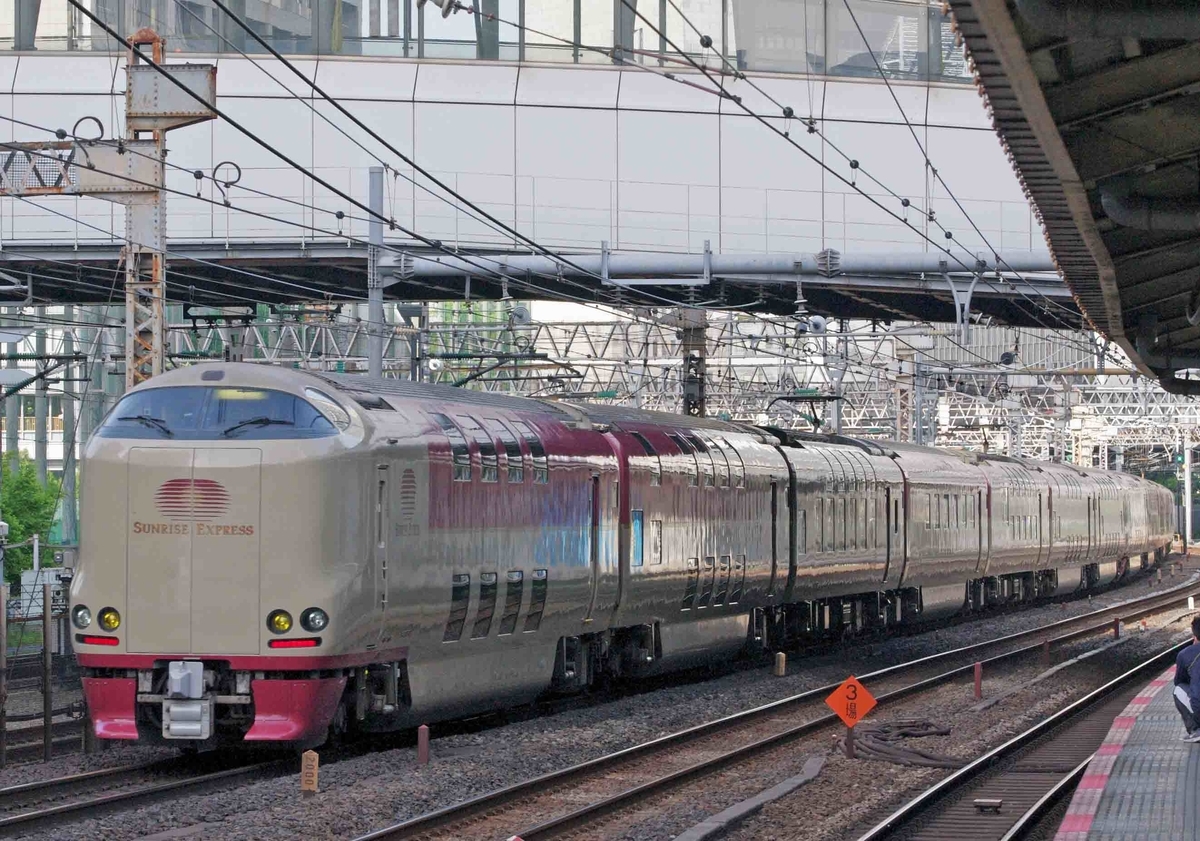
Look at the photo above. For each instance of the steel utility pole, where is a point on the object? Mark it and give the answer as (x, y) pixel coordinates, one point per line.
(693, 325)
(128, 172)
(1187, 491)
(375, 325)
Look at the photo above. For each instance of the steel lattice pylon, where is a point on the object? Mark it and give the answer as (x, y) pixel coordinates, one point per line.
(1040, 393)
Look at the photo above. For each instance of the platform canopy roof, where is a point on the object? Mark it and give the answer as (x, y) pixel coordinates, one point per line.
(1096, 102)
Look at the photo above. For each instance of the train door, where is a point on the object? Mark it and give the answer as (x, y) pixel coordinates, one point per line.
(887, 538)
(774, 534)
(383, 516)
(1041, 531)
(593, 543)
(625, 506)
(979, 533)
(1089, 526)
(902, 521)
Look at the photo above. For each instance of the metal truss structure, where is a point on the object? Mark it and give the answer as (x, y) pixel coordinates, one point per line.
(1039, 393)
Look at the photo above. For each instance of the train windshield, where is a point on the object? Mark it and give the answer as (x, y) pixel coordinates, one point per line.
(204, 413)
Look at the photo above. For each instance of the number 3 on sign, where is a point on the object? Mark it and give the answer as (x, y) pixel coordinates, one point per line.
(851, 701)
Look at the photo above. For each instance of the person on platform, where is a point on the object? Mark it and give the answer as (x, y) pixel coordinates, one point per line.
(1187, 685)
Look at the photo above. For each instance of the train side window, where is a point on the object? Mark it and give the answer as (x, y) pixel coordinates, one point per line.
(460, 598)
(841, 509)
(635, 538)
(460, 455)
(370, 401)
(935, 504)
(513, 459)
(853, 525)
(537, 601)
(707, 464)
(537, 453)
(739, 579)
(707, 575)
(895, 516)
(830, 539)
(656, 541)
(655, 465)
(681, 442)
(737, 467)
(513, 585)
(720, 463)
(489, 462)
(487, 606)
(820, 530)
(723, 574)
(693, 578)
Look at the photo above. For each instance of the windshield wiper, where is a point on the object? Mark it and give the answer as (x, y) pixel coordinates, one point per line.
(259, 421)
(146, 420)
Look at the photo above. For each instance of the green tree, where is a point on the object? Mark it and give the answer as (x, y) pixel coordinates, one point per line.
(28, 508)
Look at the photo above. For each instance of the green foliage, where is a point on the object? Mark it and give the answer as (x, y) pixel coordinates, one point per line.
(1167, 479)
(28, 508)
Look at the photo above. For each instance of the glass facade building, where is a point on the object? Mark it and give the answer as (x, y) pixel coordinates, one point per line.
(910, 40)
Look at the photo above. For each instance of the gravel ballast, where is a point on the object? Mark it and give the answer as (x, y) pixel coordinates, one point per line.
(365, 793)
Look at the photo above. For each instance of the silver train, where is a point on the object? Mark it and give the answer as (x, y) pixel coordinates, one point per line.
(269, 555)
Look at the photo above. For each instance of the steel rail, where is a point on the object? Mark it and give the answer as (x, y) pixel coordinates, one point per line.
(1028, 822)
(937, 793)
(136, 797)
(500, 797)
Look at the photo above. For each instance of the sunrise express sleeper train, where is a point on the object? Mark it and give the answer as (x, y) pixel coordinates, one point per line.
(271, 555)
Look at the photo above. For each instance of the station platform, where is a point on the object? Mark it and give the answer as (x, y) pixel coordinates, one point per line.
(1143, 784)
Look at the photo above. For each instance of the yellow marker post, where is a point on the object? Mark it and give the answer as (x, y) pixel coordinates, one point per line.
(309, 767)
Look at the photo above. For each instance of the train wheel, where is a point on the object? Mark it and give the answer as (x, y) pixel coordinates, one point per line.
(339, 724)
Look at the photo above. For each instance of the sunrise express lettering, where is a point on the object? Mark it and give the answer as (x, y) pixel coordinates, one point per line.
(199, 529)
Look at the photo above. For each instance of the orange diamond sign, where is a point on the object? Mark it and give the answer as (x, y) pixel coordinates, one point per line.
(851, 701)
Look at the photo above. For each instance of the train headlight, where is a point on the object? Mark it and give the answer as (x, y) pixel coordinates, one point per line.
(279, 621)
(314, 620)
(109, 619)
(81, 617)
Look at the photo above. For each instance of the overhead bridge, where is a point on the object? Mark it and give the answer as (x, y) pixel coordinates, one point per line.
(1022, 290)
(1096, 103)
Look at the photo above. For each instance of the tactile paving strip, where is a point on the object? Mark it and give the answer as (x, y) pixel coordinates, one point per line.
(1142, 783)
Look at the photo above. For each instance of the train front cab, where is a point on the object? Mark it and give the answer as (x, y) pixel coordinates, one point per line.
(198, 616)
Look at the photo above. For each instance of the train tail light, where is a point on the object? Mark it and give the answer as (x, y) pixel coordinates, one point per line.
(304, 642)
(90, 639)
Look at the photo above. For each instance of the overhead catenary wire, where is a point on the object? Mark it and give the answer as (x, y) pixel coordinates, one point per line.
(921, 147)
(854, 163)
(672, 303)
(390, 222)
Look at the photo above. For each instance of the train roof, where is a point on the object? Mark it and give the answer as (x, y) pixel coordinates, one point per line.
(567, 412)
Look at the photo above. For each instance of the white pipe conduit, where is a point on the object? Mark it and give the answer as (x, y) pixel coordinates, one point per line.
(614, 265)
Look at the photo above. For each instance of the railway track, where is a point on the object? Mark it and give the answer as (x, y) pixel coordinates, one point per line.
(25, 743)
(1030, 773)
(41, 805)
(588, 793)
